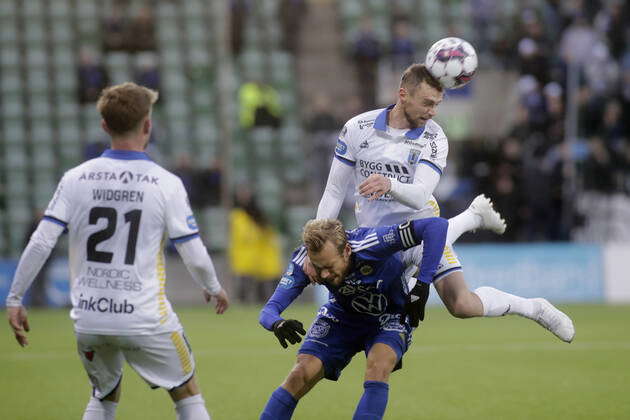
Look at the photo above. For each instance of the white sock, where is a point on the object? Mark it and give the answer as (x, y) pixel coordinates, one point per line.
(498, 303)
(192, 408)
(463, 222)
(100, 410)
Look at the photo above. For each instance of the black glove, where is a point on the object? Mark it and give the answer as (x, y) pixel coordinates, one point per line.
(287, 330)
(416, 302)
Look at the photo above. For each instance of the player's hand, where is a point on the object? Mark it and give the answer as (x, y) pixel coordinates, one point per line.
(416, 303)
(375, 186)
(287, 330)
(221, 298)
(309, 270)
(19, 323)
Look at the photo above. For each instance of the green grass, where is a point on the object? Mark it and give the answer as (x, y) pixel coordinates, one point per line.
(507, 368)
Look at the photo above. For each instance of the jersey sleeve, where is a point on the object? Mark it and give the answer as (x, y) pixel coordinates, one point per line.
(180, 221)
(60, 207)
(291, 285)
(435, 153)
(345, 151)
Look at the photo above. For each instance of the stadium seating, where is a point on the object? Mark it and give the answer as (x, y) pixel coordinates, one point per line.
(44, 130)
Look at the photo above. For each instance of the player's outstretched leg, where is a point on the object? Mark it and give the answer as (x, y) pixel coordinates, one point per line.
(479, 215)
(498, 303)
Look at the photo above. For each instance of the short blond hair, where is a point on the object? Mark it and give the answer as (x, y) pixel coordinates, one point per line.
(317, 232)
(123, 107)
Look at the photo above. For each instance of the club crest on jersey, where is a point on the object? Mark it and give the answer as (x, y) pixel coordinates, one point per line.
(364, 145)
(366, 270)
(414, 157)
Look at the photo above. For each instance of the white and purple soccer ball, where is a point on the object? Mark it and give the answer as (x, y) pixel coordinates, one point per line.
(452, 61)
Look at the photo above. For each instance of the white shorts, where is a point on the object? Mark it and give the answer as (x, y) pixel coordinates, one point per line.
(162, 360)
(449, 263)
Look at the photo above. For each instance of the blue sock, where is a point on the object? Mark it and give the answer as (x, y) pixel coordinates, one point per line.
(280, 406)
(373, 402)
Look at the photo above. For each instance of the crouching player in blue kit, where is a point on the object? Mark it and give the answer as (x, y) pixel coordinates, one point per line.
(363, 270)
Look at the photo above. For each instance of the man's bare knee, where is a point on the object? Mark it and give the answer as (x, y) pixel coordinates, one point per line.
(188, 389)
(305, 374)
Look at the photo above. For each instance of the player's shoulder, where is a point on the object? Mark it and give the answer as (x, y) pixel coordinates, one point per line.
(299, 255)
(362, 238)
(434, 132)
(362, 121)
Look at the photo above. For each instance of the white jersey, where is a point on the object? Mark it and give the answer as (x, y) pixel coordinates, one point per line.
(119, 208)
(368, 145)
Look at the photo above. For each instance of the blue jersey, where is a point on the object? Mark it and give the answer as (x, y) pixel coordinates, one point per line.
(375, 284)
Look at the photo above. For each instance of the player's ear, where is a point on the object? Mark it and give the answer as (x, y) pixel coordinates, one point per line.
(105, 127)
(146, 126)
(347, 250)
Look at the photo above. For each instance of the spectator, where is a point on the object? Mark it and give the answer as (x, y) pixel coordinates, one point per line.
(92, 75)
(208, 185)
(142, 31)
(402, 49)
(147, 73)
(323, 129)
(254, 249)
(239, 10)
(259, 105)
(291, 14)
(366, 54)
(115, 29)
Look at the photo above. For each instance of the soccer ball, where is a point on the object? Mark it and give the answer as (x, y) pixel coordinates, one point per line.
(452, 61)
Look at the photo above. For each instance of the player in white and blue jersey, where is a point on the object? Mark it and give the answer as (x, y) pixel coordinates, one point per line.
(396, 157)
(364, 272)
(119, 209)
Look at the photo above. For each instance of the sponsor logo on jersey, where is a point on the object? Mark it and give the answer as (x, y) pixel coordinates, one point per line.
(365, 124)
(388, 170)
(391, 322)
(105, 305)
(414, 156)
(364, 145)
(414, 144)
(341, 148)
(429, 136)
(286, 282)
(325, 313)
(434, 149)
(109, 278)
(319, 329)
(191, 222)
(370, 303)
(125, 177)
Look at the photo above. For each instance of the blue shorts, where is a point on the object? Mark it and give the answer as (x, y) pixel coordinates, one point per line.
(335, 339)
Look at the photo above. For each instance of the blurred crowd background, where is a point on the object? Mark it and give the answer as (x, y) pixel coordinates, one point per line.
(254, 93)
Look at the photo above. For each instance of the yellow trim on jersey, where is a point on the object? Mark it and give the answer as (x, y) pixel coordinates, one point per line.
(436, 208)
(161, 275)
(182, 352)
(448, 254)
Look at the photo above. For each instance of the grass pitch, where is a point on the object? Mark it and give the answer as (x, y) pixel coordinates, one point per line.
(507, 368)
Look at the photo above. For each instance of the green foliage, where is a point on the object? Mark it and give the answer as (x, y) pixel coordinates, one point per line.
(474, 369)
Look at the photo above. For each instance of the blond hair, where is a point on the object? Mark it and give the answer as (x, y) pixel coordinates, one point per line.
(317, 232)
(415, 74)
(123, 107)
